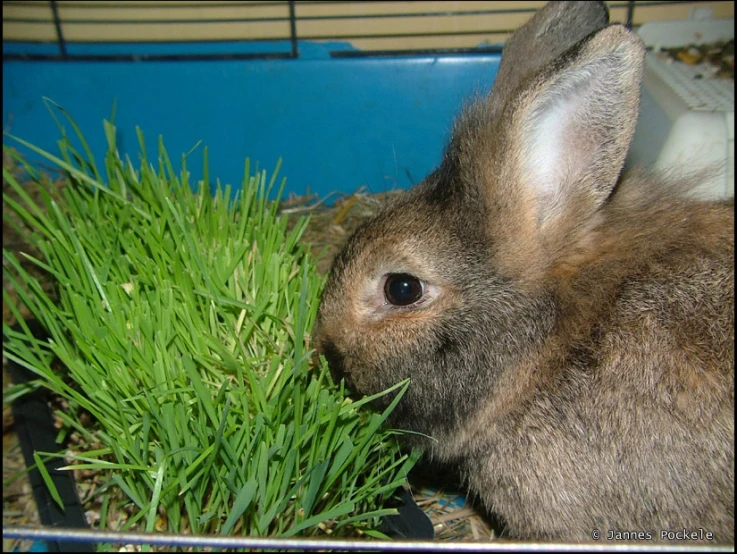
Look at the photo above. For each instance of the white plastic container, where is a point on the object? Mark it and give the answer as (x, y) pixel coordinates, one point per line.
(686, 117)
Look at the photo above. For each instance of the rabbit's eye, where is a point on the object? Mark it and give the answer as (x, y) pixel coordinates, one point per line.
(401, 289)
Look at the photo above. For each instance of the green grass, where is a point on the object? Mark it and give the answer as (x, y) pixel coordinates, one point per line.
(182, 322)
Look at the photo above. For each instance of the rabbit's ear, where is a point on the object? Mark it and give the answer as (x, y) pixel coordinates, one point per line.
(573, 130)
(554, 152)
(553, 29)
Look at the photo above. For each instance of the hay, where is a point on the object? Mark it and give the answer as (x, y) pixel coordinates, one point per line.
(330, 226)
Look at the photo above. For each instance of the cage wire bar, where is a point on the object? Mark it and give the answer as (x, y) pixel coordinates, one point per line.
(293, 38)
(59, 33)
(321, 544)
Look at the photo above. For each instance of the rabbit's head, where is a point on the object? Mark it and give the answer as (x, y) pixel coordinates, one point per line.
(449, 284)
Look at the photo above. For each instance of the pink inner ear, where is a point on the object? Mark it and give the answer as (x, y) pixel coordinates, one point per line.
(555, 157)
(565, 134)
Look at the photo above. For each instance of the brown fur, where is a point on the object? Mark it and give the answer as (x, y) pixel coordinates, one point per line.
(573, 352)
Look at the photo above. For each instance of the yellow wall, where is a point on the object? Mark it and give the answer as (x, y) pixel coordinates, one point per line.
(100, 21)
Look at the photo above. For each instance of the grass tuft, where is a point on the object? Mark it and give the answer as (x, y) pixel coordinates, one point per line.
(182, 323)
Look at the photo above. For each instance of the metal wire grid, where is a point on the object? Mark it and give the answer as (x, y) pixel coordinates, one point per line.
(291, 16)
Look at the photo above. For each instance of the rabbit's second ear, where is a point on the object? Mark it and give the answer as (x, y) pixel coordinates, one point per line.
(565, 137)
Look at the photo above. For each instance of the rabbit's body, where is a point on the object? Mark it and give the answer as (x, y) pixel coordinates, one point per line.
(622, 418)
(569, 337)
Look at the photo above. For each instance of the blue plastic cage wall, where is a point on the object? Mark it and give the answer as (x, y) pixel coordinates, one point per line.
(338, 124)
(340, 118)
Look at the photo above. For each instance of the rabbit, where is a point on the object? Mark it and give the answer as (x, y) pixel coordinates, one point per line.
(568, 332)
